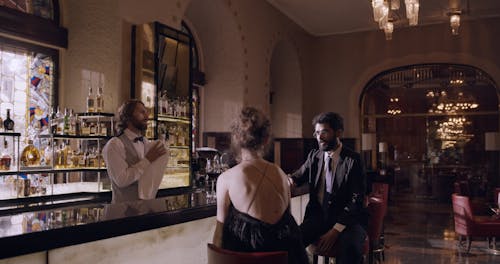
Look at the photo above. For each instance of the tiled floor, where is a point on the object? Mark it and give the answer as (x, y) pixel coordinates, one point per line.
(422, 231)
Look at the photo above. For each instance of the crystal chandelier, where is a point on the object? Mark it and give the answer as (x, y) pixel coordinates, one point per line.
(449, 105)
(382, 14)
(453, 129)
(412, 7)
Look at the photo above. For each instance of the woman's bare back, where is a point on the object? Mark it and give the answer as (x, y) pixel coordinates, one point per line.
(259, 189)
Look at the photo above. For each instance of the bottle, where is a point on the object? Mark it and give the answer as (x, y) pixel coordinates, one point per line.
(47, 153)
(66, 126)
(90, 99)
(59, 122)
(99, 100)
(30, 155)
(5, 159)
(8, 123)
(73, 123)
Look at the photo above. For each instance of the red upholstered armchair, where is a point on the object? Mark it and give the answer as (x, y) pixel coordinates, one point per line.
(218, 255)
(468, 225)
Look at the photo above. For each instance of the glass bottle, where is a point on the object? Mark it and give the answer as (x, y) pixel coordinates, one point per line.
(47, 153)
(99, 101)
(90, 99)
(8, 123)
(58, 121)
(5, 159)
(30, 155)
(66, 126)
(73, 123)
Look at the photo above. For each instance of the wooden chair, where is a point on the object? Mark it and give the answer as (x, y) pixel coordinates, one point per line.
(217, 255)
(469, 225)
(381, 190)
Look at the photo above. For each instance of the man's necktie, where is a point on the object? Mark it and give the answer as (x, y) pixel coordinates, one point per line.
(141, 139)
(329, 175)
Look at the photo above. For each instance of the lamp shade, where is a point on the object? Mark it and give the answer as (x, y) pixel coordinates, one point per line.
(491, 141)
(367, 141)
(382, 147)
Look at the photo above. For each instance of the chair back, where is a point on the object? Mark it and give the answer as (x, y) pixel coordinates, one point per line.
(381, 190)
(462, 188)
(376, 220)
(217, 255)
(462, 214)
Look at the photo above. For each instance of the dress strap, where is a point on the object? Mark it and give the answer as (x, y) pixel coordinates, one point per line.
(263, 174)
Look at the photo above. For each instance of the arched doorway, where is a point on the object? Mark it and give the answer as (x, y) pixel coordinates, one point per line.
(429, 125)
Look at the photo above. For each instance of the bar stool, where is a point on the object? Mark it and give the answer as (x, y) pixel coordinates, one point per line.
(375, 221)
(217, 255)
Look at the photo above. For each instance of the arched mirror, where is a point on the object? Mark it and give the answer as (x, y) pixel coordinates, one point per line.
(162, 80)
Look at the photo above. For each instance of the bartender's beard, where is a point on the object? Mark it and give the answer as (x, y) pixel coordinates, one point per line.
(140, 125)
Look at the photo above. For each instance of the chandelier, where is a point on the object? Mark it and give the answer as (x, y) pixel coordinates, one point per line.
(453, 129)
(382, 14)
(394, 108)
(445, 104)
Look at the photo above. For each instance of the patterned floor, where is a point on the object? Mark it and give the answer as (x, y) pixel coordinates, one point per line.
(422, 231)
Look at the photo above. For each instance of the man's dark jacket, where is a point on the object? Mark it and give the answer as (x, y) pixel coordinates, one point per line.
(346, 203)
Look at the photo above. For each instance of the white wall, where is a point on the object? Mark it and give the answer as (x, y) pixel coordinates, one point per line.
(286, 86)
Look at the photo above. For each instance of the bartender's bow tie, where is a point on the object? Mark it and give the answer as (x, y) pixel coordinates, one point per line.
(141, 139)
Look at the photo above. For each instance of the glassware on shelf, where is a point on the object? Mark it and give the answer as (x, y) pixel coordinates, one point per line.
(47, 154)
(8, 123)
(90, 99)
(99, 100)
(30, 155)
(5, 159)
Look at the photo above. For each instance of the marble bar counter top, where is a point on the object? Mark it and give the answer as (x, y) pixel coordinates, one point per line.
(35, 231)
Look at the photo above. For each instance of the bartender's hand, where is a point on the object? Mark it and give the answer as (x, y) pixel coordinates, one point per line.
(328, 240)
(156, 150)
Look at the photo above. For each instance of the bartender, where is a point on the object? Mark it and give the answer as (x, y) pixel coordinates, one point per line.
(130, 156)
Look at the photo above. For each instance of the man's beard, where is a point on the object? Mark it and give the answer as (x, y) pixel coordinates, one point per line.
(139, 125)
(330, 145)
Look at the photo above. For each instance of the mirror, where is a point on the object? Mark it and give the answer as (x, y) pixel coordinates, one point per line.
(161, 79)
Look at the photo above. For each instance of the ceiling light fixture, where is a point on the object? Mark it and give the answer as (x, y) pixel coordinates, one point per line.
(454, 21)
(412, 7)
(382, 14)
(388, 29)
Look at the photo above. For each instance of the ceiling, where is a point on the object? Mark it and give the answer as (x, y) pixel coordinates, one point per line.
(330, 17)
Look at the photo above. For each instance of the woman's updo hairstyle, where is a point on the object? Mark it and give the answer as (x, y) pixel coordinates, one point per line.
(251, 130)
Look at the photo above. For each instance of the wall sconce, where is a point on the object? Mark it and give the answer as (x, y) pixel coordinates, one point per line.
(454, 21)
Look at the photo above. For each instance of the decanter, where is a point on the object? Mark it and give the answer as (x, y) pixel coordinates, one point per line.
(30, 155)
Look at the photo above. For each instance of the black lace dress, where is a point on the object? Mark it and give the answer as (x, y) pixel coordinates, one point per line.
(243, 232)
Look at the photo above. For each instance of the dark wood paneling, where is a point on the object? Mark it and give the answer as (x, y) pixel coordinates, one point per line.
(26, 26)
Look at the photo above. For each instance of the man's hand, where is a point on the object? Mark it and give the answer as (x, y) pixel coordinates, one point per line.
(157, 150)
(291, 183)
(328, 240)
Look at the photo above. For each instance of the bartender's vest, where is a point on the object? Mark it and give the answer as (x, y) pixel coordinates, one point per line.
(131, 192)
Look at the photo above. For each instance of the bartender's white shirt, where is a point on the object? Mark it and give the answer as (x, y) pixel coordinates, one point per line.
(118, 169)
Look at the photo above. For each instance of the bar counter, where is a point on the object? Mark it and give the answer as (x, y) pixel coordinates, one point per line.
(29, 232)
(174, 228)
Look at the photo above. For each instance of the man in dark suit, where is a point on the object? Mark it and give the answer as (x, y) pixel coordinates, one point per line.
(335, 215)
